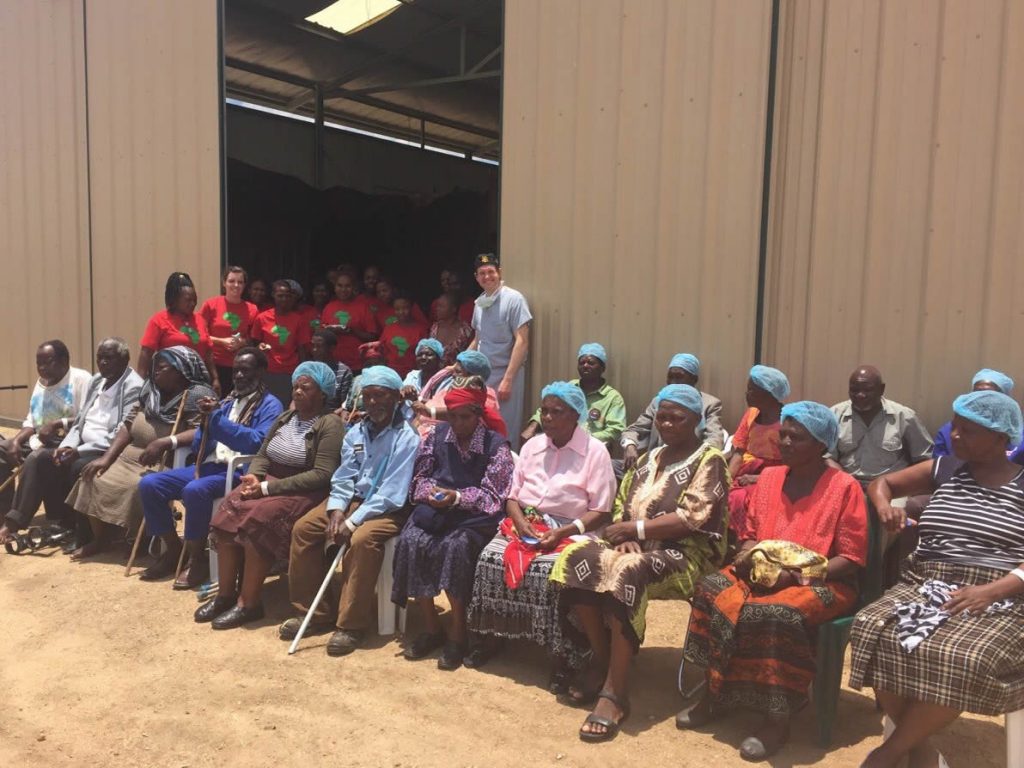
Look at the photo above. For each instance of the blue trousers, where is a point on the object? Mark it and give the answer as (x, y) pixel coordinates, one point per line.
(159, 489)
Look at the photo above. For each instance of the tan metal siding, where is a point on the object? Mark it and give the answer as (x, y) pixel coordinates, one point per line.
(633, 138)
(44, 247)
(154, 107)
(897, 230)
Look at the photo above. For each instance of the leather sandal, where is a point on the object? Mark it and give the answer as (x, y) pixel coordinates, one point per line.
(423, 645)
(612, 726)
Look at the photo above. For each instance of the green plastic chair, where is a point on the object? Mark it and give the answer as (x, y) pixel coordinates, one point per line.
(833, 637)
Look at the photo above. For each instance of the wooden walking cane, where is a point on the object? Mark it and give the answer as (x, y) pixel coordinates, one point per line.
(204, 426)
(14, 474)
(142, 523)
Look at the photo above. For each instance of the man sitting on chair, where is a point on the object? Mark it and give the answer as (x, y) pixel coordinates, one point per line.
(367, 506)
(237, 425)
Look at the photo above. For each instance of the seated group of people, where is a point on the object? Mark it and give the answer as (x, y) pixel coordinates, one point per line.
(767, 541)
(346, 321)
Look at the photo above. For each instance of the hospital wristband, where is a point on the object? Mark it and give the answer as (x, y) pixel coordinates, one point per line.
(1018, 572)
(640, 534)
(174, 442)
(350, 525)
(265, 488)
(433, 412)
(580, 525)
(458, 499)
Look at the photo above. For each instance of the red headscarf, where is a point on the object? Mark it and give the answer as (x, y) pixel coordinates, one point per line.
(460, 397)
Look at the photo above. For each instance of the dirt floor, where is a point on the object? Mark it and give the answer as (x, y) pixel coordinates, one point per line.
(100, 669)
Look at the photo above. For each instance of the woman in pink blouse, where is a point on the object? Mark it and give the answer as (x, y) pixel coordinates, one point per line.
(562, 490)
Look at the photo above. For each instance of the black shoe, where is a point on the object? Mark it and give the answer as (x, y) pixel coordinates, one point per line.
(451, 656)
(481, 652)
(344, 641)
(237, 616)
(165, 566)
(424, 644)
(290, 628)
(210, 610)
(697, 716)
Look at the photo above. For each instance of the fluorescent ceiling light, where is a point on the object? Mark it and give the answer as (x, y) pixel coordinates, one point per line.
(347, 16)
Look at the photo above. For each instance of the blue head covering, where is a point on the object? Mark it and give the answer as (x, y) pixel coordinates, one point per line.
(474, 363)
(594, 350)
(320, 373)
(433, 345)
(570, 394)
(1001, 380)
(816, 419)
(771, 380)
(684, 395)
(992, 410)
(687, 362)
(380, 376)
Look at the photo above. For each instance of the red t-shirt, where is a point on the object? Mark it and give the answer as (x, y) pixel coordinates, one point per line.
(399, 344)
(465, 311)
(167, 329)
(312, 316)
(353, 314)
(286, 334)
(386, 315)
(224, 319)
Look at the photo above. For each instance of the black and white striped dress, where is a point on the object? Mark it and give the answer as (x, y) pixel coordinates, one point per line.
(970, 535)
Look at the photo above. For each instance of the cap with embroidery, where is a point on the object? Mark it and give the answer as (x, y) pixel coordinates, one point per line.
(486, 260)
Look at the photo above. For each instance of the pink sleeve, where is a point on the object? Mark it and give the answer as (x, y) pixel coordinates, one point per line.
(517, 475)
(600, 478)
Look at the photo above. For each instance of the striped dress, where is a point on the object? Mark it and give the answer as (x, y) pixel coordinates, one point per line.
(970, 535)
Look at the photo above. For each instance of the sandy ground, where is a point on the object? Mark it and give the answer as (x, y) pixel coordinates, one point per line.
(99, 669)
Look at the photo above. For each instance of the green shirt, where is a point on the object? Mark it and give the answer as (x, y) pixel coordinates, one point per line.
(606, 413)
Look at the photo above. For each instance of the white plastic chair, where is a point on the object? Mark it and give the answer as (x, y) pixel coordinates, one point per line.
(388, 614)
(242, 458)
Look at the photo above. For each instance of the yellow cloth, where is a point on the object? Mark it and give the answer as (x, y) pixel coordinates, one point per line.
(768, 559)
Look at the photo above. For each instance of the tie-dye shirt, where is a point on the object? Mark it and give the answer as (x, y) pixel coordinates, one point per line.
(58, 401)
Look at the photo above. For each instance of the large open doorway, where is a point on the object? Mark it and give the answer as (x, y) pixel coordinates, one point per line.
(362, 132)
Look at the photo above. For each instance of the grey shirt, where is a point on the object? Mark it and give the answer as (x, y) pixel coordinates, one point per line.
(644, 435)
(496, 327)
(893, 440)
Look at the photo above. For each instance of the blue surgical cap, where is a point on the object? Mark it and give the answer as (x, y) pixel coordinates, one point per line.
(595, 350)
(771, 380)
(320, 373)
(570, 394)
(816, 419)
(433, 345)
(1001, 380)
(681, 394)
(687, 362)
(992, 410)
(380, 376)
(684, 395)
(474, 363)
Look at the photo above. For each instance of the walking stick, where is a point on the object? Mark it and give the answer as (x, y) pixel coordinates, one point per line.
(14, 474)
(316, 600)
(204, 426)
(142, 524)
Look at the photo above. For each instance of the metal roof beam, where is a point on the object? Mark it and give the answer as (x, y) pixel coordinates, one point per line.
(485, 60)
(408, 86)
(370, 101)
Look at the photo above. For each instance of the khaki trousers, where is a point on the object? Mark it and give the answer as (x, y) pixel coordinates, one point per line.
(360, 567)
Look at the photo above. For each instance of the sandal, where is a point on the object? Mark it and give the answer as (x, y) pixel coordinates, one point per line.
(558, 683)
(578, 694)
(607, 722)
(424, 644)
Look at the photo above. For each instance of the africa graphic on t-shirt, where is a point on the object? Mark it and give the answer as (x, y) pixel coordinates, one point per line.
(191, 332)
(281, 332)
(232, 319)
(401, 344)
(343, 317)
(391, 320)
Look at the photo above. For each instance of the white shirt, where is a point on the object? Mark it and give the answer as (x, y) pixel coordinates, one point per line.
(222, 454)
(97, 421)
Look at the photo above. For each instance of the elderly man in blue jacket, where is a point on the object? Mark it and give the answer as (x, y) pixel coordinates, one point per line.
(237, 425)
(367, 506)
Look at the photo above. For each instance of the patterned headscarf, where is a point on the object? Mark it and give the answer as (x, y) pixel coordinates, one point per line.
(189, 365)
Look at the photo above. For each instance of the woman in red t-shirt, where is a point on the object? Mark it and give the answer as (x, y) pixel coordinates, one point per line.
(178, 324)
(284, 335)
(399, 339)
(350, 319)
(385, 312)
(228, 318)
(259, 294)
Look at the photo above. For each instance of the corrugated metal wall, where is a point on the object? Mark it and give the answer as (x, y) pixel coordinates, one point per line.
(154, 106)
(108, 107)
(897, 207)
(633, 136)
(44, 238)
